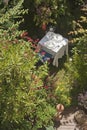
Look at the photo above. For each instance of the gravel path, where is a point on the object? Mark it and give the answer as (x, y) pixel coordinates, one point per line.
(67, 122)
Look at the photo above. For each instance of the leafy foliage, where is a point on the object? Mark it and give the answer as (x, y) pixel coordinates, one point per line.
(79, 26)
(23, 97)
(60, 88)
(77, 68)
(46, 11)
(8, 19)
(23, 102)
(26, 101)
(63, 88)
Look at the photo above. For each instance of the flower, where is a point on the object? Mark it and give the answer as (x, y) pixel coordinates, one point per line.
(46, 87)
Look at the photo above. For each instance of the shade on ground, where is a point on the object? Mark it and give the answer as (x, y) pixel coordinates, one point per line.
(68, 122)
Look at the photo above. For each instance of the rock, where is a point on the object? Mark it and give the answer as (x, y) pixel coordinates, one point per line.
(81, 119)
(60, 108)
(84, 126)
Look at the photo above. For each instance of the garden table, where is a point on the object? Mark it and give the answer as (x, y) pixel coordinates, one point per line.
(54, 44)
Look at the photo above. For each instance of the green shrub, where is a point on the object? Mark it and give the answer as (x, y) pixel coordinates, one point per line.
(23, 97)
(77, 68)
(60, 88)
(23, 102)
(63, 88)
(73, 78)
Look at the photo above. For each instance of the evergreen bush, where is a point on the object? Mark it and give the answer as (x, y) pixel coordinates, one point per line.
(77, 68)
(23, 97)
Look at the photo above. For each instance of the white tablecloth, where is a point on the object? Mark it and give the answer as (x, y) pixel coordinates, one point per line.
(54, 44)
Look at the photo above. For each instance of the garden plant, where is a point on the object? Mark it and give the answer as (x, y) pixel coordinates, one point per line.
(28, 92)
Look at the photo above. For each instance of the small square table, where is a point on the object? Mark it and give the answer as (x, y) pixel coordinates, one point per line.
(54, 44)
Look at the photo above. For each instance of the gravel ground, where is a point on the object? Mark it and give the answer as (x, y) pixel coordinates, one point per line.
(67, 122)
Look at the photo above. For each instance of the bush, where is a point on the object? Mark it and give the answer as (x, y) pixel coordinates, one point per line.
(23, 102)
(63, 88)
(60, 88)
(77, 68)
